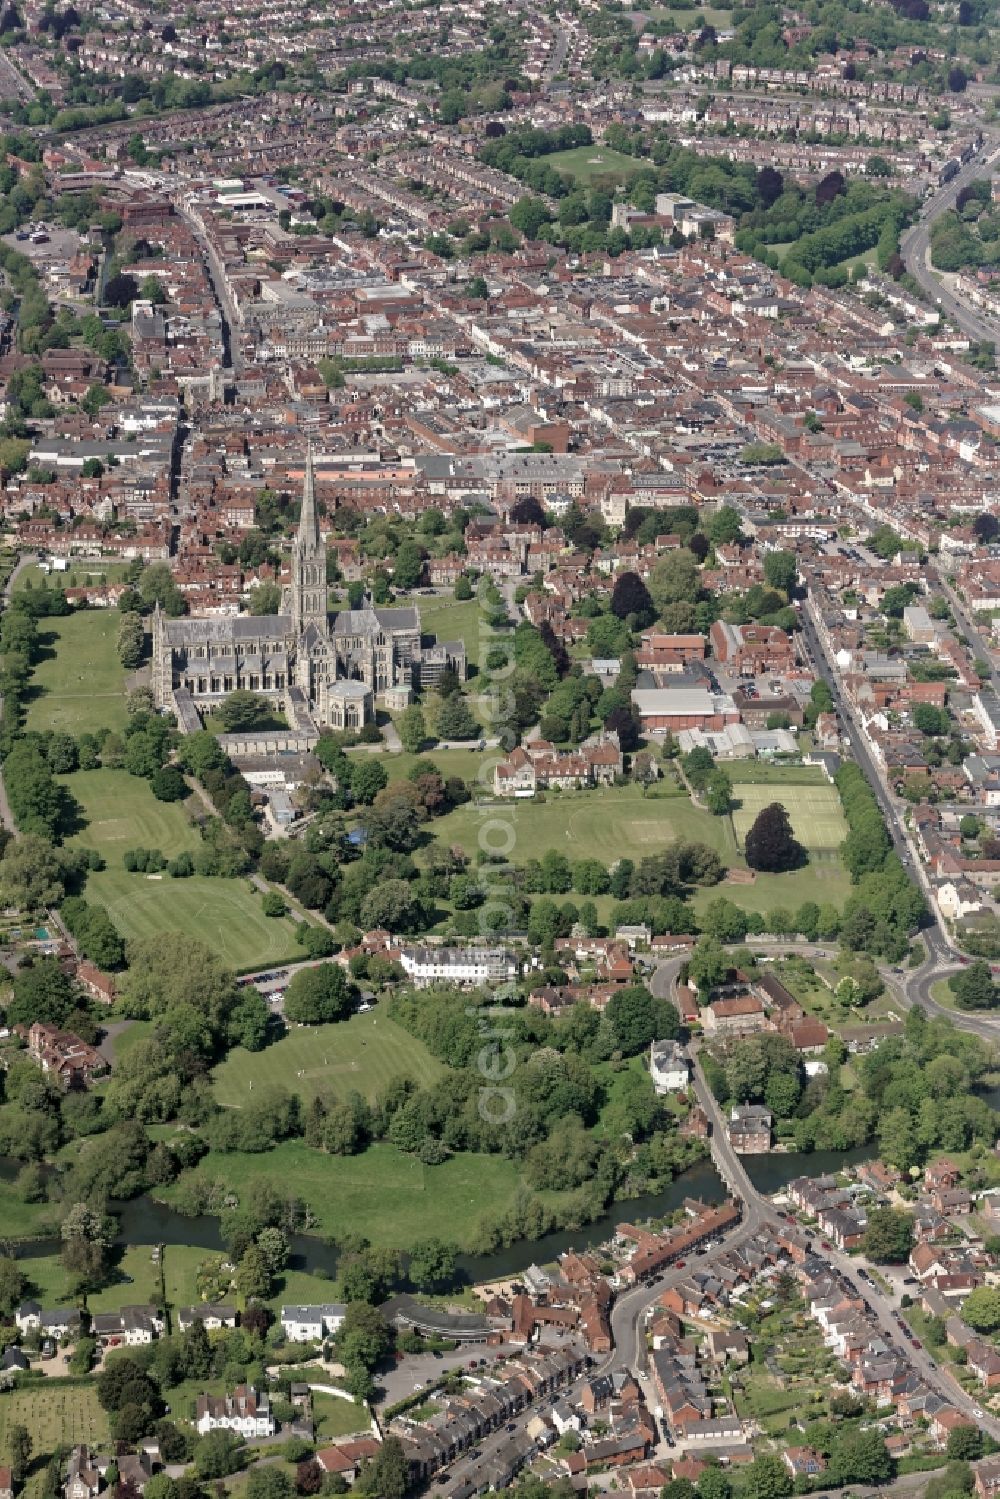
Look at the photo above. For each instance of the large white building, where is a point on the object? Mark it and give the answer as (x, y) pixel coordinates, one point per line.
(247, 1411)
(311, 1324)
(669, 1067)
(458, 965)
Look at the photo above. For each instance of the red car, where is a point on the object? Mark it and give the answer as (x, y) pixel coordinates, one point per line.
(826, 1245)
(679, 1264)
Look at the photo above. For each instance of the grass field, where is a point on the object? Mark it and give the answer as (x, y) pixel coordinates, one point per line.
(389, 1197)
(358, 1055)
(121, 812)
(24, 1220)
(79, 685)
(607, 825)
(766, 773)
(622, 823)
(81, 573)
(55, 1415)
(224, 914)
(590, 163)
(338, 1418)
(464, 763)
(815, 811)
(456, 619)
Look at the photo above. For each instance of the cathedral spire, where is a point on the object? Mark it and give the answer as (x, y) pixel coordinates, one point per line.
(308, 520)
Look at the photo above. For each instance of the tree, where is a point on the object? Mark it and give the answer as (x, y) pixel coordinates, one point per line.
(218, 1454)
(120, 290)
(958, 79)
(32, 873)
(432, 1265)
(316, 996)
(168, 784)
(367, 778)
(86, 1238)
(412, 729)
(631, 599)
(859, 1457)
(766, 1478)
(708, 965)
(243, 711)
(364, 1337)
(780, 569)
(719, 793)
(388, 1473)
(408, 565)
(268, 1483)
(965, 1444)
(981, 1309)
(638, 1017)
(273, 904)
(131, 640)
(770, 844)
(889, 1236)
(455, 721)
(253, 1275)
(12, 1283)
(19, 1450)
(974, 988)
(675, 580)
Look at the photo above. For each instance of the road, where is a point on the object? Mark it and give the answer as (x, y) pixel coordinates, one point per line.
(232, 357)
(935, 937)
(915, 244)
(981, 647)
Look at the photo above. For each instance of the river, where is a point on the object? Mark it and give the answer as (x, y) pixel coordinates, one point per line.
(143, 1220)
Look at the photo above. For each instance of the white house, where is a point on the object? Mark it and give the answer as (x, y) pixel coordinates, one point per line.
(457, 965)
(669, 1067)
(247, 1411)
(213, 1317)
(311, 1324)
(60, 1322)
(128, 1328)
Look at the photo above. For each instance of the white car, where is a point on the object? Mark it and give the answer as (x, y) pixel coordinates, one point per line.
(977, 1413)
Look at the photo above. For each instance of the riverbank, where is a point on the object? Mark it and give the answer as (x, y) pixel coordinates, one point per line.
(146, 1221)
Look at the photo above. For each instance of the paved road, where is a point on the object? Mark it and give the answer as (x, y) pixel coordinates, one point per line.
(232, 355)
(981, 645)
(935, 937)
(915, 244)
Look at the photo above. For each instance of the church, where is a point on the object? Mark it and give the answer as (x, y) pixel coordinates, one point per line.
(325, 670)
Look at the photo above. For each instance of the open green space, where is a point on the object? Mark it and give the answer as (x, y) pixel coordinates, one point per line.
(769, 773)
(464, 763)
(389, 1197)
(224, 914)
(83, 572)
(691, 20)
(607, 824)
(590, 163)
(456, 619)
(24, 1220)
(815, 812)
(611, 824)
(359, 1055)
(79, 685)
(121, 812)
(56, 1415)
(338, 1418)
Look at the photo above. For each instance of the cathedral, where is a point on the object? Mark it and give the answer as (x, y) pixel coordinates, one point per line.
(325, 670)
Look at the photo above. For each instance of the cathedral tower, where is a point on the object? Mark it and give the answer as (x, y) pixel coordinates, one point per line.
(308, 562)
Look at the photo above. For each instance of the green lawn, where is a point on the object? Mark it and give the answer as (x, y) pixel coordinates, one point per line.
(601, 824)
(767, 772)
(464, 763)
(79, 686)
(692, 20)
(224, 914)
(388, 1197)
(815, 811)
(136, 1279)
(590, 163)
(622, 823)
(56, 1415)
(121, 812)
(82, 572)
(358, 1055)
(338, 1418)
(24, 1220)
(456, 619)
